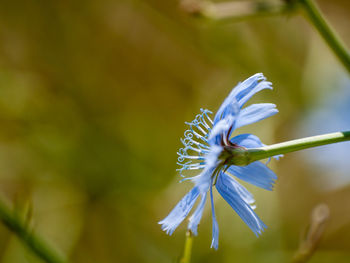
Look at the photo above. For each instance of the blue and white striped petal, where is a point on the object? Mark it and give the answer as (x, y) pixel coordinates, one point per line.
(244, 88)
(197, 215)
(215, 232)
(241, 93)
(255, 173)
(253, 89)
(227, 189)
(255, 113)
(180, 211)
(247, 140)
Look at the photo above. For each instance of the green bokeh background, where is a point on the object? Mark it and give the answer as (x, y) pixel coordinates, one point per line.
(93, 99)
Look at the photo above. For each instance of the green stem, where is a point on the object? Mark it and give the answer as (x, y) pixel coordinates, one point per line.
(297, 145)
(319, 22)
(188, 248)
(34, 242)
(242, 156)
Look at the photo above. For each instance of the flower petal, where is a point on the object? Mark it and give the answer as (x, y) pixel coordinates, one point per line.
(227, 189)
(204, 179)
(255, 173)
(231, 109)
(180, 211)
(197, 215)
(244, 88)
(247, 140)
(254, 113)
(230, 105)
(239, 95)
(243, 192)
(243, 97)
(215, 239)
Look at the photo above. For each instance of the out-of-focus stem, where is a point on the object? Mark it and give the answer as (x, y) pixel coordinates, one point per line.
(35, 243)
(188, 248)
(239, 10)
(316, 18)
(235, 10)
(308, 244)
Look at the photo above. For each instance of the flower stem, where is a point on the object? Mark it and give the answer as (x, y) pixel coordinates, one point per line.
(20, 228)
(234, 10)
(315, 16)
(308, 245)
(188, 248)
(256, 154)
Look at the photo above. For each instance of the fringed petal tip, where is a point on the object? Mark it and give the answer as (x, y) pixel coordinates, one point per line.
(180, 211)
(261, 230)
(215, 239)
(257, 76)
(214, 244)
(166, 227)
(271, 184)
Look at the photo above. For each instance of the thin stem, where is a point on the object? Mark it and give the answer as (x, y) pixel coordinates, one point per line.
(234, 10)
(20, 228)
(296, 145)
(308, 245)
(188, 248)
(315, 16)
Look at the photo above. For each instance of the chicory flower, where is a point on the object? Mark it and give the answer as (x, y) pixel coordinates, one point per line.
(204, 144)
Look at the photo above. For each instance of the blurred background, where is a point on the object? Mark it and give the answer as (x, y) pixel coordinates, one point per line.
(93, 99)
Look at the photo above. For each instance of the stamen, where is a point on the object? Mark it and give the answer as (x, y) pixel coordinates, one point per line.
(200, 120)
(188, 134)
(195, 143)
(206, 125)
(183, 157)
(195, 165)
(190, 141)
(205, 113)
(188, 166)
(201, 129)
(191, 132)
(184, 151)
(200, 151)
(200, 137)
(195, 123)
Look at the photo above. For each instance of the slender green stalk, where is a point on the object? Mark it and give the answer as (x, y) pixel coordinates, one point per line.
(188, 248)
(315, 16)
(234, 10)
(243, 156)
(297, 145)
(37, 245)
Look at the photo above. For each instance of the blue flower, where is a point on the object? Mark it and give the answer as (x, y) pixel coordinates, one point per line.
(204, 141)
